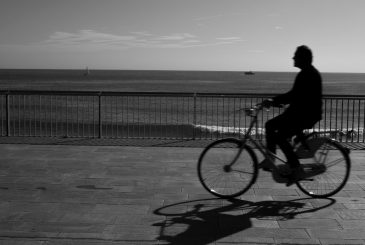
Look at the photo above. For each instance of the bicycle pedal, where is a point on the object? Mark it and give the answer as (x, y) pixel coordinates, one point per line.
(305, 179)
(266, 169)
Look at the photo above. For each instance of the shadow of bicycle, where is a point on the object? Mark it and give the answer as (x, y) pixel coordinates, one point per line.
(204, 221)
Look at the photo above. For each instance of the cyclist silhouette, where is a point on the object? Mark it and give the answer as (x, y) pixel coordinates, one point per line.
(304, 110)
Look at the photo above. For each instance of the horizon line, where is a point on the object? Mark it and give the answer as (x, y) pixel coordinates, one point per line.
(182, 70)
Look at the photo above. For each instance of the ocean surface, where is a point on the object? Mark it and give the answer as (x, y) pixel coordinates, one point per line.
(172, 81)
(129, 116)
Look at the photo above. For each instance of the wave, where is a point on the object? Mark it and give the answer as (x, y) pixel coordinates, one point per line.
(330, 132)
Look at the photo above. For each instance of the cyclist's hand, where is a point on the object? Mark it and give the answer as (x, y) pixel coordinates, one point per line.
(267, 103)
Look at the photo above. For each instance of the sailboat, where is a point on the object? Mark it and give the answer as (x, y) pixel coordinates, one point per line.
(87, 71)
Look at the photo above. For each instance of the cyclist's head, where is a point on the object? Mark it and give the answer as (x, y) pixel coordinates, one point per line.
(303, 56)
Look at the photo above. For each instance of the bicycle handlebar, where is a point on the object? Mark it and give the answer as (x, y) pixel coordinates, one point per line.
(250, 111)
(258, 106)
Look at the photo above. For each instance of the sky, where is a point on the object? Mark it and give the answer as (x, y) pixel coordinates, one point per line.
(230, 35)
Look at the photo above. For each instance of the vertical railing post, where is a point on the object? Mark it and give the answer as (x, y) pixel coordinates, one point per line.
(7, 114)
(100, 121)
(66, 116)
(194, 115)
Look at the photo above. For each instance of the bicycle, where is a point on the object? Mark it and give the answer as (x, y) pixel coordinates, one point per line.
(228, 167)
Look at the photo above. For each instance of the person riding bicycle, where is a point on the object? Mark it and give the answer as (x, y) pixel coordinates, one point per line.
(304, 109)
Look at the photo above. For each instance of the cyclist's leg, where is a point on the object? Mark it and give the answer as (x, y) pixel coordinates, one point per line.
(287, 128)
(286, 147)
(271, 128)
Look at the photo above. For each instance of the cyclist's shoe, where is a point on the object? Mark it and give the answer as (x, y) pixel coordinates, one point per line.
(278, 176)
(296, 174)
(266, 165)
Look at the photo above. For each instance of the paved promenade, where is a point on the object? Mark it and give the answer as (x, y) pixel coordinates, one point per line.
(74, 194)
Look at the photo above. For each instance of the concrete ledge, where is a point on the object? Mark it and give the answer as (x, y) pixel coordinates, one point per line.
(105, 142)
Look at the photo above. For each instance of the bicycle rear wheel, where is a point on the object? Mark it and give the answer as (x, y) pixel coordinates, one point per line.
(326, 165)
(227, 168)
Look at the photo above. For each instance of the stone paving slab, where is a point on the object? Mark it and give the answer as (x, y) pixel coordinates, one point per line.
(77, 194)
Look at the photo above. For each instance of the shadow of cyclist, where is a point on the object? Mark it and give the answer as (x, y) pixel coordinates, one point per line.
(206, 220)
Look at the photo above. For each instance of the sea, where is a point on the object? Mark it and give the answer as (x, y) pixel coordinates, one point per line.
(172, 81)
(217, 123)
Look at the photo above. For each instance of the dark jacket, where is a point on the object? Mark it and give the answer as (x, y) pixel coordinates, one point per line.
(305, 97)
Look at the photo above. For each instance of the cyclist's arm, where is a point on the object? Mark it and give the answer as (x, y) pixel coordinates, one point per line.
(282, 99)
(279, 100)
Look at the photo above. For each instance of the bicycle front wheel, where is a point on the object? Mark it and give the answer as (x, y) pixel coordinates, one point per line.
(326, 164)
(227, 168)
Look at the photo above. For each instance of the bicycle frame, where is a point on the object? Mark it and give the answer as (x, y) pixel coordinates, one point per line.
(248, 138)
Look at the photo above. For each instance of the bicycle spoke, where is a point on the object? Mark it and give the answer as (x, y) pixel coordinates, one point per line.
(334, 162)
(214, 178)
(242, 172)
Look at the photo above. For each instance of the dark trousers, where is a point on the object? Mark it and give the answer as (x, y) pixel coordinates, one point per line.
(279, 130)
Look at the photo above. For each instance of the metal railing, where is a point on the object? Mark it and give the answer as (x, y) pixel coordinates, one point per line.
(158, 115)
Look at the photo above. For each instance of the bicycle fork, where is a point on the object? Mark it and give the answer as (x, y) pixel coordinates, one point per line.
(228, 167)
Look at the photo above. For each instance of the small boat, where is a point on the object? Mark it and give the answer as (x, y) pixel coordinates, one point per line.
(249, 73)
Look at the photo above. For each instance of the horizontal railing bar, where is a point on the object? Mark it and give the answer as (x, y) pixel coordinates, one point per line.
(45, 92)
(164, 94)
(114, 93)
